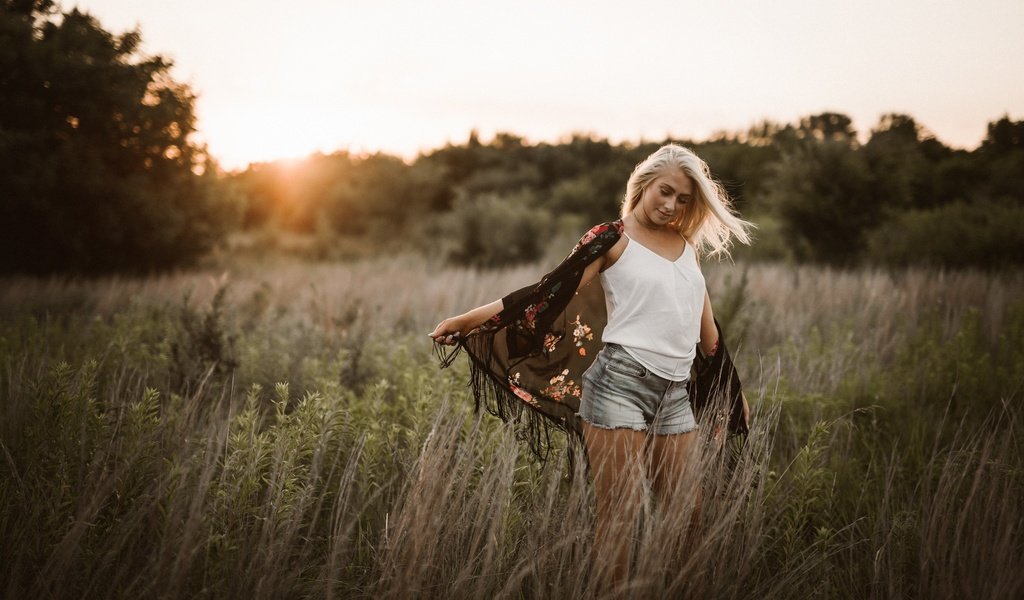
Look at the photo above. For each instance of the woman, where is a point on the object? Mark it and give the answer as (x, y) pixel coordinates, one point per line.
(633, 406)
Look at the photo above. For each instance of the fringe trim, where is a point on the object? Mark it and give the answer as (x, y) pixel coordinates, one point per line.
(445, 355)
(532, 425)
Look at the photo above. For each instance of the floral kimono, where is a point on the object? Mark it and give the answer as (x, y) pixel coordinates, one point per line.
(527, 361)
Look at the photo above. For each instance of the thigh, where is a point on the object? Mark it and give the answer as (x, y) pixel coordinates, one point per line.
(673, 462)
(616, 459)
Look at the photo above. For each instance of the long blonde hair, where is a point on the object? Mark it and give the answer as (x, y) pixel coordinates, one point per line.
(709, 221)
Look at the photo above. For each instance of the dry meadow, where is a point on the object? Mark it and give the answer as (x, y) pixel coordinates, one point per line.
(283, 430)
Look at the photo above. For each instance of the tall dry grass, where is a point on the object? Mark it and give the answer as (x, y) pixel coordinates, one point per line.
(151, 447)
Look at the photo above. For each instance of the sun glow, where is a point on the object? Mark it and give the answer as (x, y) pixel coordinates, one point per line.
(271, 131)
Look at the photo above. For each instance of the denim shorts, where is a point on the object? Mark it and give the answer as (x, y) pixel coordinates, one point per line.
(619, 392)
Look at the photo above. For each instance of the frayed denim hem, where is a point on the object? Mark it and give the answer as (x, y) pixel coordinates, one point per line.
(682, 429)
(644, 427)
(641, 427)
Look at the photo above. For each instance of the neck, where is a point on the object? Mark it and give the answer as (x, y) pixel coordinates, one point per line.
(643, 221)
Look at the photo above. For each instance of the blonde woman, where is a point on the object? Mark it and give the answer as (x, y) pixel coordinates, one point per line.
(534, 353)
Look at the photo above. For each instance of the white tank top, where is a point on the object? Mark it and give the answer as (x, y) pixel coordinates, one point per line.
(654, 308)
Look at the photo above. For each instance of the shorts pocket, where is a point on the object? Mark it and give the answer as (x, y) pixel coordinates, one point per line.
(624, 364)
(591, 370)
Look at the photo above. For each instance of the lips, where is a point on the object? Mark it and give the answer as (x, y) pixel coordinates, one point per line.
(665, 214)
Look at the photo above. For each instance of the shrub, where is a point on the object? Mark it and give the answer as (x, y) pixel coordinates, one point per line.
(983, 234)
(492, 230)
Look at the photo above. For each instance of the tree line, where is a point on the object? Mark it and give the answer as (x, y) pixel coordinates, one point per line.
(101, 173)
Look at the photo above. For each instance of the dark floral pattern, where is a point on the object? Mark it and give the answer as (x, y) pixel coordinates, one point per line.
(530, 315)
(561, 387)
(551, 342)
(581, 332)
(513, 383)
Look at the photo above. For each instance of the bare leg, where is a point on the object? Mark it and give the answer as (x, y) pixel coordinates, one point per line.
(676, 480)
(616, 461)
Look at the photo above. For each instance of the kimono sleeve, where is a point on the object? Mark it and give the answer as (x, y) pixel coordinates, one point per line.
(529, 312)
(594, 243)
(526, 361)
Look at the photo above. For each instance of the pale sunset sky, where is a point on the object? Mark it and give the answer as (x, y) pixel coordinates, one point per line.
(284, 80)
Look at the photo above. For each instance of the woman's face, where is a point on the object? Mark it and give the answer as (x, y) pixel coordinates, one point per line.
(666, 197)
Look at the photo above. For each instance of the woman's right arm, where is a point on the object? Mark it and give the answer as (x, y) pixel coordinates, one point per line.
(448, 331)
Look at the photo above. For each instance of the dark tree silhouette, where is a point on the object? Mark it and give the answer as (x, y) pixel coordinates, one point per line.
(96, 160)
(1002, 157)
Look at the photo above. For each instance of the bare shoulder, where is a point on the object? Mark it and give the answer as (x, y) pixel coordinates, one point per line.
(614, 253)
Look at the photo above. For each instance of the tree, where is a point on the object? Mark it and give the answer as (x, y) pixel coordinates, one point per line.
(900, 173)
(97, 163)
(743, 168)
(382, 197)
(827, 127)
(822, 196)
(1002, 161)
(1003, 136)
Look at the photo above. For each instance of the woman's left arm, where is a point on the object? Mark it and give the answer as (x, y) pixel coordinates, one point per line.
(708, 330)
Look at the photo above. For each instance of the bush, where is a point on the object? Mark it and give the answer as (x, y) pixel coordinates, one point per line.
(982, 234)
(492, 230)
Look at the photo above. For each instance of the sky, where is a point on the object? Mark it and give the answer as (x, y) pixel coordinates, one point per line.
(279, 80)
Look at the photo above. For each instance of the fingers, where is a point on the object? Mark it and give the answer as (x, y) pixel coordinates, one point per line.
(444, 327)
(447, 339)
(445, 333)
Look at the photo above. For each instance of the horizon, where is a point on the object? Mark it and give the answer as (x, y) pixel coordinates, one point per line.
(863, 134)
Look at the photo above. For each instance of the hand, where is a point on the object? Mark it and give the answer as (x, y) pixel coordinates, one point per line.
(449, 331)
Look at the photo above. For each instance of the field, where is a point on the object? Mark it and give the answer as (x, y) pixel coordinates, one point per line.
(283, 430)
